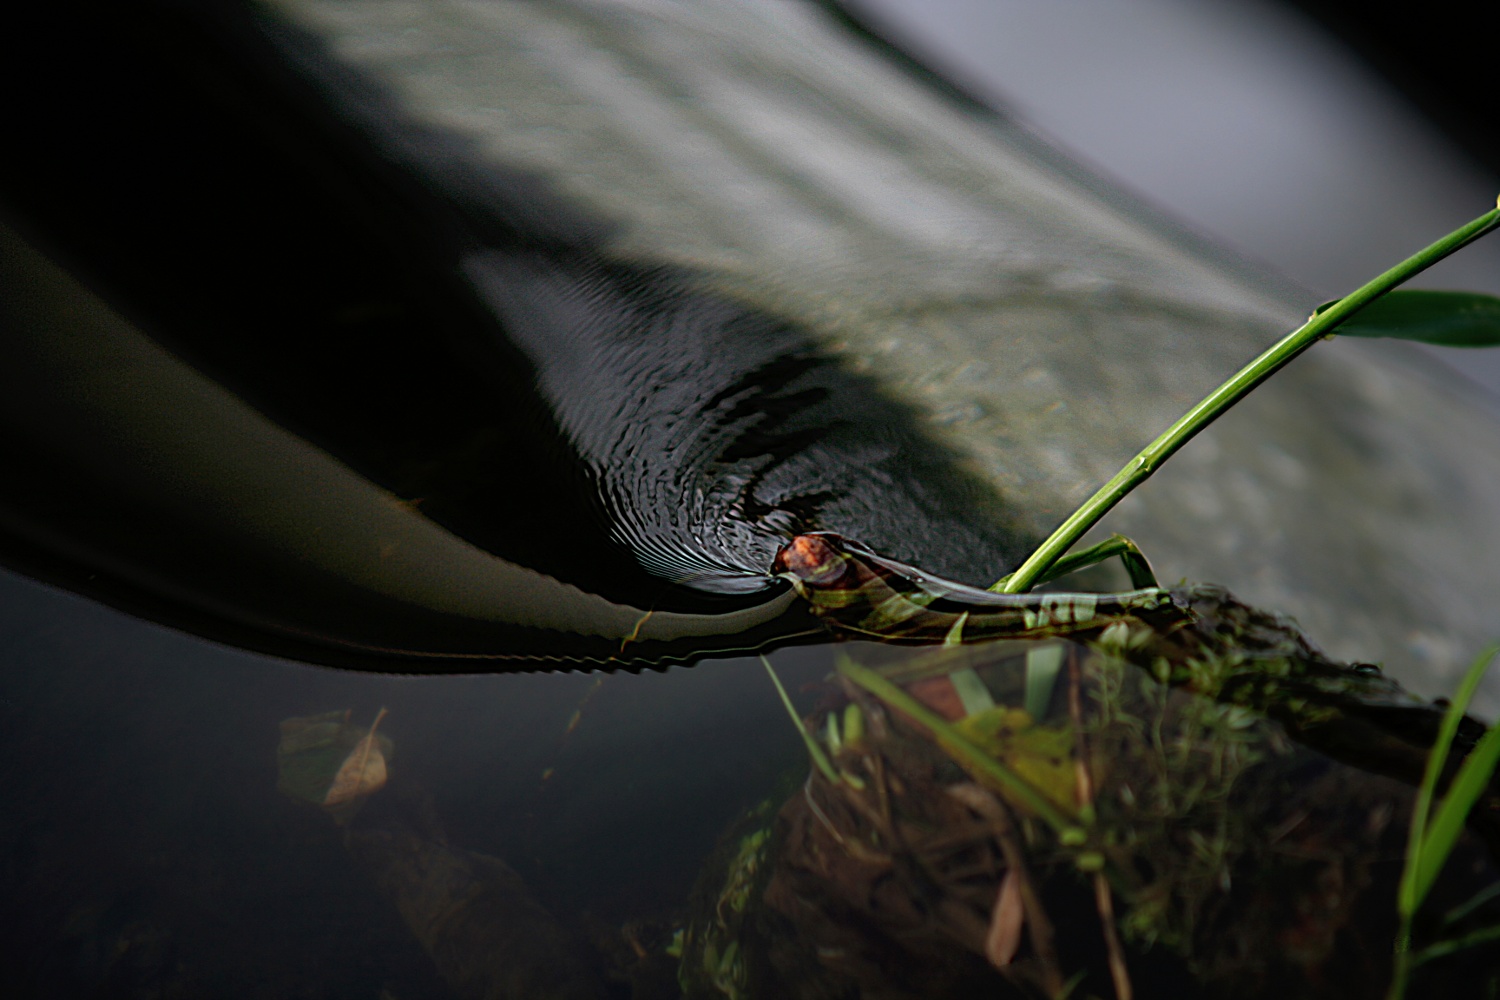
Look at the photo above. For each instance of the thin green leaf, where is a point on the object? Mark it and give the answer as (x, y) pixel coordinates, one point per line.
(1482, 936)
(1408, 899)
(1447, 319)
(820, 759)
(1420, 857)
(1472, 780)
(1473, 903)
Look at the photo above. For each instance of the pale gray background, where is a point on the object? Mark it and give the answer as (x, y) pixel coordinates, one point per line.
(1242, 119)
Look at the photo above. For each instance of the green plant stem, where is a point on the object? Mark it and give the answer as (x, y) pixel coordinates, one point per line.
(1319, 325)
(819, 758)
(1130, 556)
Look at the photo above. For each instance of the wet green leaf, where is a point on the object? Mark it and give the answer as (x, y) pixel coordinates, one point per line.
(1448, 319)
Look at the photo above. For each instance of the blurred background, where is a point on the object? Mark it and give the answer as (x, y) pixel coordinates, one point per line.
(1321, 138)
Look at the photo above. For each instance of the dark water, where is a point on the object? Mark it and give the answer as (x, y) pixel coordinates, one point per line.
(145, 851)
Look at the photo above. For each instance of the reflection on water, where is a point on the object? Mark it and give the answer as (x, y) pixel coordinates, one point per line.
(448, 423)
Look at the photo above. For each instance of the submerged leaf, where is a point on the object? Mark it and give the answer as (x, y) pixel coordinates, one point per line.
(325, 761)
(1006, 921)
(1448, 319)
(362, 773)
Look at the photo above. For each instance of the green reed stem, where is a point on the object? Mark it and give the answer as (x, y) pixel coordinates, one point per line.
(1319, 325)
(819, 758)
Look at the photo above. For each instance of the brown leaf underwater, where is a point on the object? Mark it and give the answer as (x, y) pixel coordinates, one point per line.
(1009, 917)
(363, 772)
(325, 761)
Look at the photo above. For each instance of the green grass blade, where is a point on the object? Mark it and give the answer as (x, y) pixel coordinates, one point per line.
(972, 758)
(1447, 319)
(1471, 904)
(1483, 936)
(1409, 899)
(1472, 780)
(820, 759)
(1425, 857)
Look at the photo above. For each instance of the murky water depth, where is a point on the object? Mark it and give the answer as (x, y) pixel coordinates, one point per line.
(145, 851)
(567, 826)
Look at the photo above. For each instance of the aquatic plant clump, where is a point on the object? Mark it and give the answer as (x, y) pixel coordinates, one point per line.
(1216, 809)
